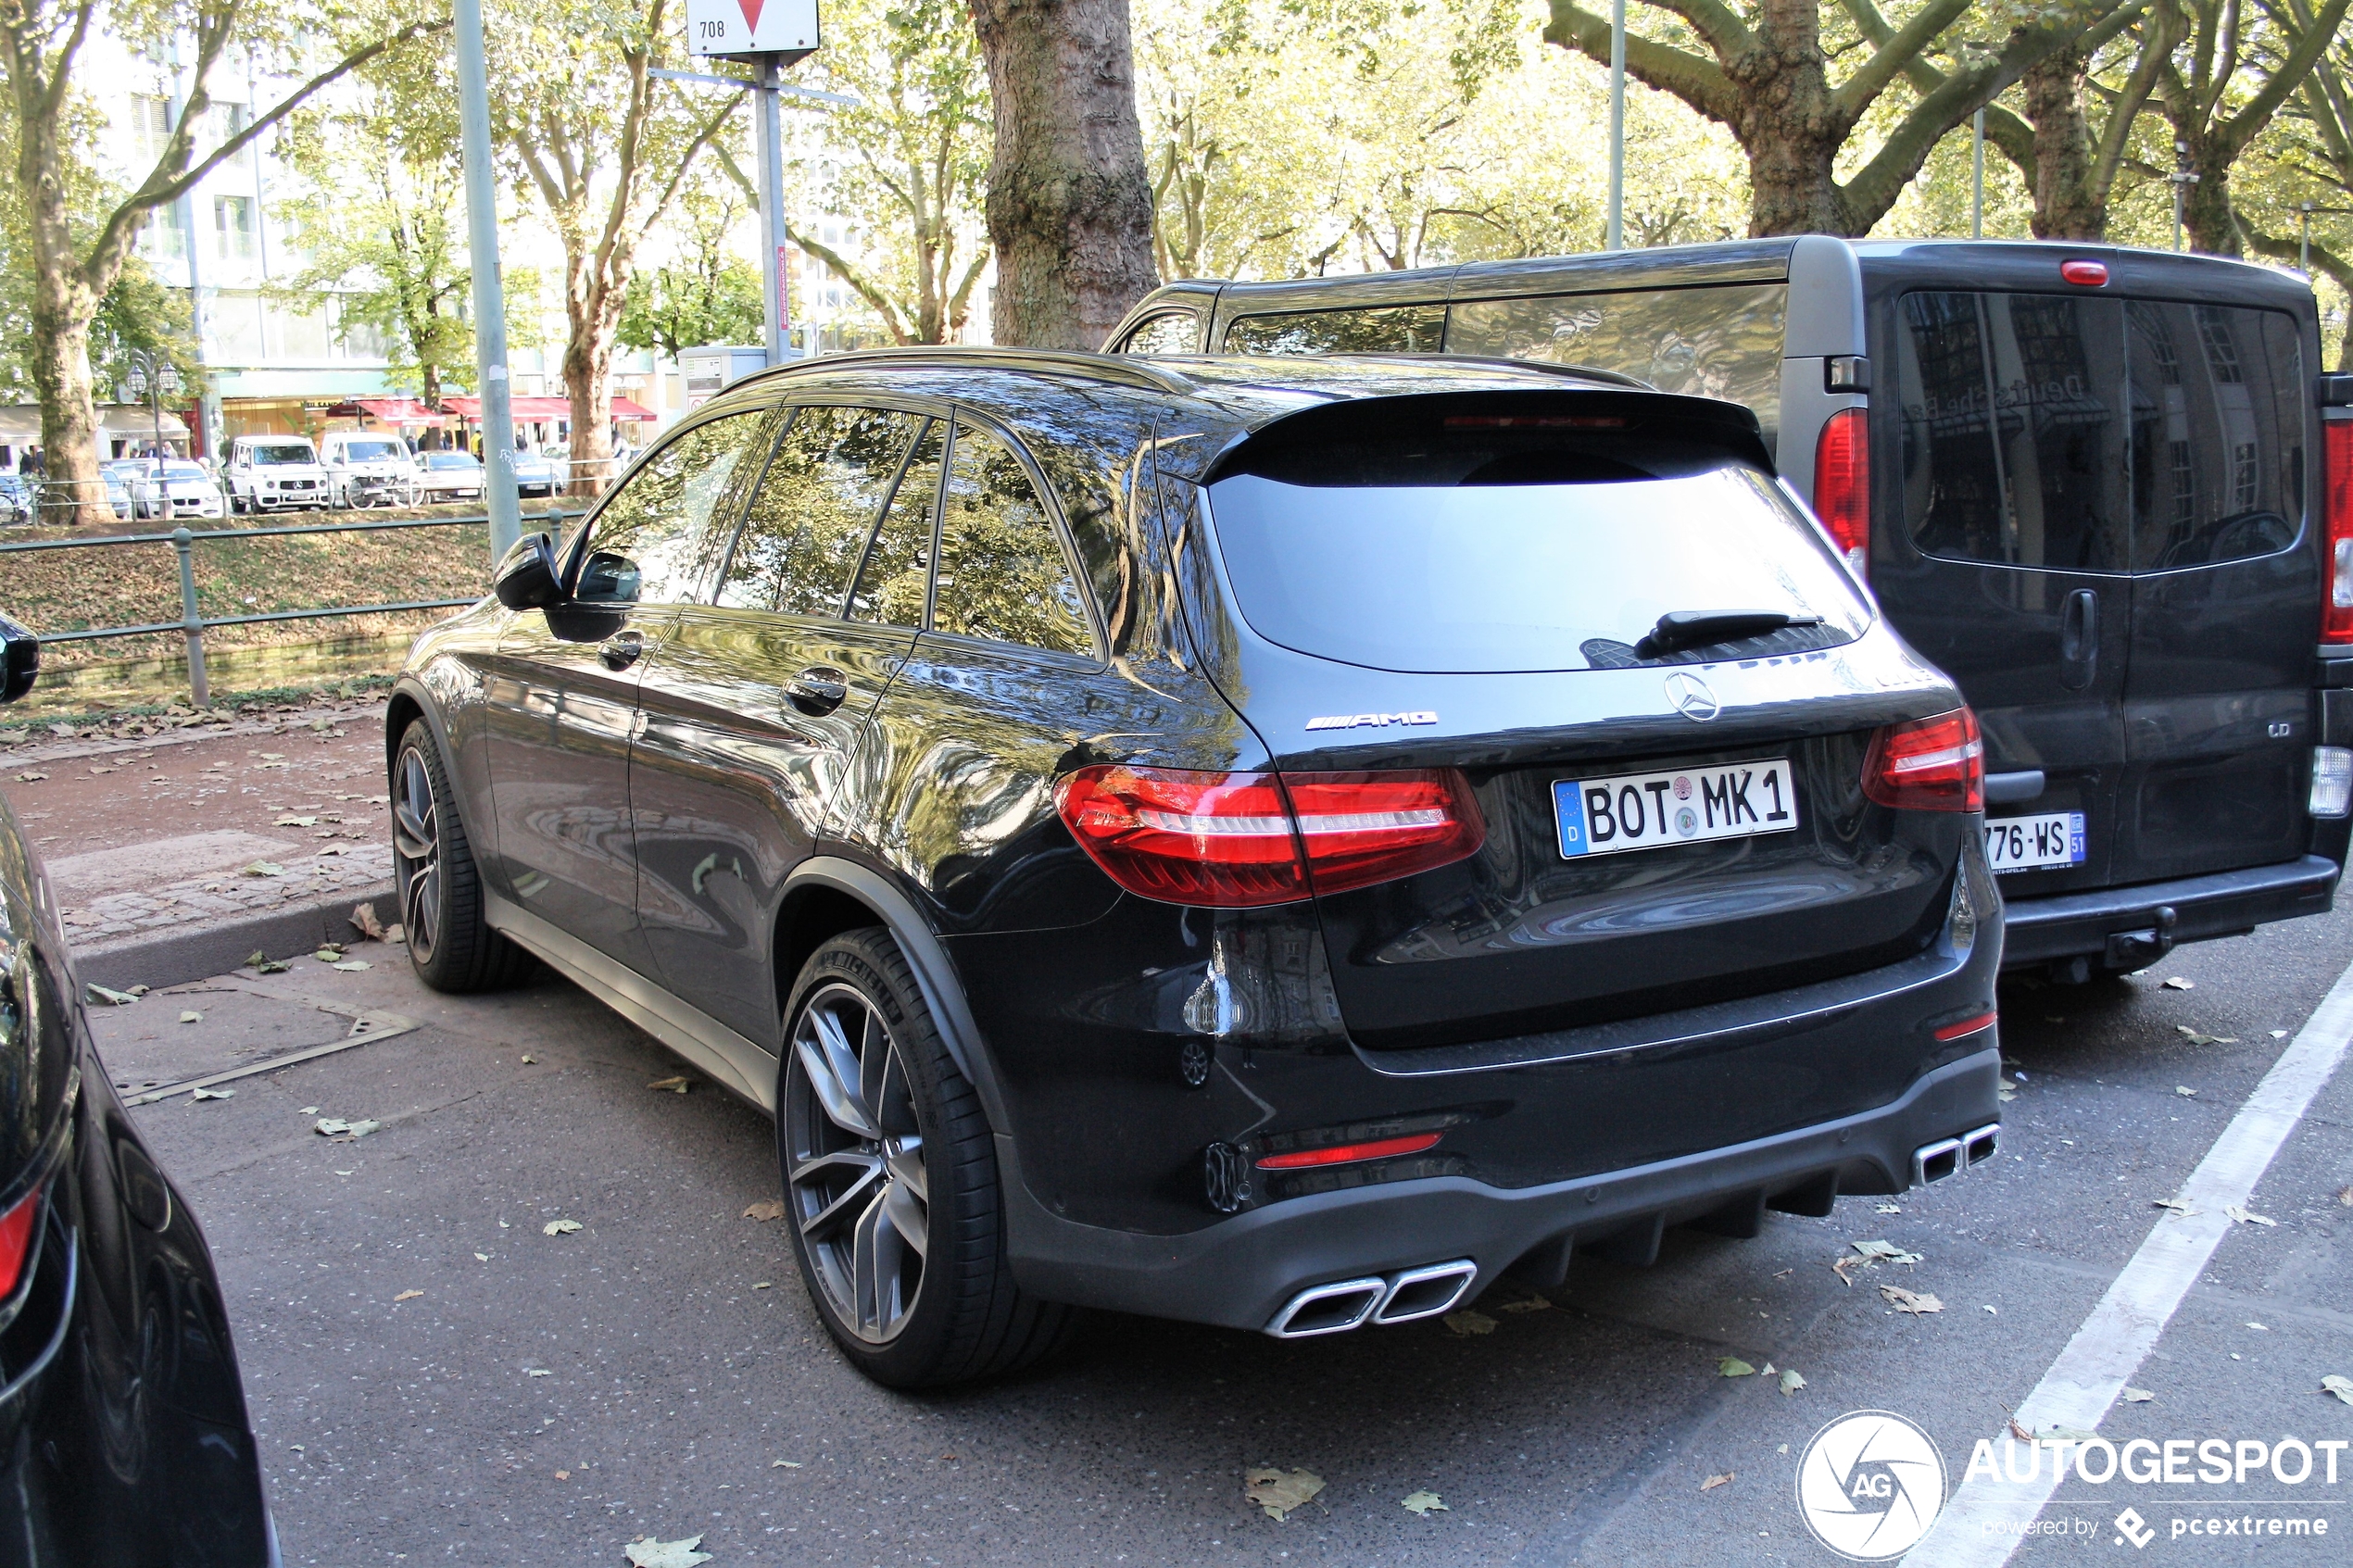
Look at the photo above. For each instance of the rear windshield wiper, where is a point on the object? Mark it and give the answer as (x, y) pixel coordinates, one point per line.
(1680, 628)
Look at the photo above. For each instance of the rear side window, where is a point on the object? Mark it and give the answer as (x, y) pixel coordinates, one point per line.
(1494, 553)
(897, 571)
(815, 509)
(1171, 331)
(2218, 433)
(1718, 341)
(1403, 328)
(658, 537)
(1002, 573)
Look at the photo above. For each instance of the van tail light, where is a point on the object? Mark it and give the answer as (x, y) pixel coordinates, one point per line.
(2336, 485)
(1843, 484)
(1928, 765)
(16, 1240)
(1240, 840)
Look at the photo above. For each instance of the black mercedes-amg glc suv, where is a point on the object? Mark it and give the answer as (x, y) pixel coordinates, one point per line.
(1271, 843)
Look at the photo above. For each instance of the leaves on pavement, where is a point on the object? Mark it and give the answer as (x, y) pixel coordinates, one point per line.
(559, 1227)
(352, 965)
(1887, 1249)
(192, 1017)
(336, 1127)
(1790, 1382)
(1467, 1321)
(2247, 1217)
(291, 821)
(1280, 1491)
(2185, 1091)
(2175, 982)
(108, 995)
(2137, 1396)
(364, 920)
(262, 868)
(1529, 1304)
(409, 1296)
(766, 1210)
(212, 1094)
(1904, 1300)
(1732, 1366)
(2194, 1037)
(1422, 1504)
(2178, 1206)
(262, 963)
(647, 1552)
(678, 1086)
(1715, 1481)
(2340, 1386)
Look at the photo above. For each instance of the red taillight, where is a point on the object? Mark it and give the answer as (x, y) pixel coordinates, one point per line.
(1928, 765)
(2091, 274)
(16, 1237)
(1843, 484)
(2336, 485)
(1233, 840)
(1349, 1153)
(1967, 1027)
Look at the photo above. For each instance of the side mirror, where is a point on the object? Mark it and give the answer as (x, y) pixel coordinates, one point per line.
(526, 579)
(19, 659)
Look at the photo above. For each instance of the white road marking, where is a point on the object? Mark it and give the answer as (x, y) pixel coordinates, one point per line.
(2081, 1385)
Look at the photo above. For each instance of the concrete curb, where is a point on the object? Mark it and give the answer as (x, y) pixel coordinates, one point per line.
(200, 952)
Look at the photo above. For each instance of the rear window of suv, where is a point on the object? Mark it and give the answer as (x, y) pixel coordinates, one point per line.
(1502, 551)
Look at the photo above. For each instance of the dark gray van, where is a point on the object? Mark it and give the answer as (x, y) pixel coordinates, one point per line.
(2109, 490)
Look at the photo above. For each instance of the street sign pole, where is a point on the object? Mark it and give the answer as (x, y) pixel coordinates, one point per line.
(1615, 237)
(767, 35)
(505, 504)
(775, 277)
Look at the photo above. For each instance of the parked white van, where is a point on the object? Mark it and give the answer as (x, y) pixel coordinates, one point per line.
(368, 469)
(269, 473)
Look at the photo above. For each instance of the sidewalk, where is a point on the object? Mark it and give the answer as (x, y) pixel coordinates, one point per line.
(191, 847)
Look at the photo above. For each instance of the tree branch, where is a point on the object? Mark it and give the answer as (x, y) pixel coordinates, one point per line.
(1857, 92)
(859, 283)
(1699, 82)
(2240, 128)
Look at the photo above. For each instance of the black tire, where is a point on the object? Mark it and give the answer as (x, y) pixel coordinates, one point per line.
(451, 946)
(854, 1200)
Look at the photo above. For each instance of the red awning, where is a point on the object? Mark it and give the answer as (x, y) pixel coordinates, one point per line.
(542, 409)
(392, 410)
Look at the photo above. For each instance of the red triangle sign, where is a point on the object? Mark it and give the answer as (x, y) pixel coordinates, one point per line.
(751, 14)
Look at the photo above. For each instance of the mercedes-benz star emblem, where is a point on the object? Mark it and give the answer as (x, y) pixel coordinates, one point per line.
(1692, 698)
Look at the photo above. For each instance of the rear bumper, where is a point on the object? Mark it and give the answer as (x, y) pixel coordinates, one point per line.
(1241, 1272)
(2064, 926)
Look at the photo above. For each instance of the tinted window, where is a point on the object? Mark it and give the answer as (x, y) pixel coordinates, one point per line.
(1002, 573)
(291, 452)
(897, 573)
(1404, 328)
(1171, 331)
(2218, 433)
(1511, 557)
(659, 537)
(1723, 342)
(2014, 428)
(813, 510)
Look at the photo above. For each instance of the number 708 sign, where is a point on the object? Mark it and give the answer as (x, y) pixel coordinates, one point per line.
(726, 29)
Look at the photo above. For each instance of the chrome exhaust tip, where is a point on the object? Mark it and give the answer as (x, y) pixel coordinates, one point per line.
(1980, 1146)
(1329, 1308)
(1934, 1161)
(1426, 1292)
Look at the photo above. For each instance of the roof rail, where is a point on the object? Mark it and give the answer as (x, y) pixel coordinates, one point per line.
(1548, 366)
(1116, 369)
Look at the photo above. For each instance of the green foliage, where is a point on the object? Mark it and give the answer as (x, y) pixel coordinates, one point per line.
(705, 296)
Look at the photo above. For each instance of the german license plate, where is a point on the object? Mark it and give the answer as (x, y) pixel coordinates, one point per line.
(1651, 811)
(2027, 844)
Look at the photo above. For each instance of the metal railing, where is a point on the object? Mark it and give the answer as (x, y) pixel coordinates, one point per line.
(193, 623)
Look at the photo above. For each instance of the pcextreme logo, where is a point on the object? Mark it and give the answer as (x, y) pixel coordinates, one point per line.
(1869, 1485)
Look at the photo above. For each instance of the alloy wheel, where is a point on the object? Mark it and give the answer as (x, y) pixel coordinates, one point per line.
(855, 1163)
(416, 848)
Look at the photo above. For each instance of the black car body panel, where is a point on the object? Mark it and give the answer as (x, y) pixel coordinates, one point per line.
(123, 1430)
(2141, 656)
(756, 779)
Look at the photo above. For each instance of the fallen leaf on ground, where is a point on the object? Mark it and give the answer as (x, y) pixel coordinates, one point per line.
(141, 990)
(1904, 1300)
(409, 1296)
(2194, 1037)
(2185, 1091)
(559, 1227)
(2279, 1033)
(764, 1285)
(1715, 1481)
(329, 953)
(1422, 1504)
(784, 1464)
(1846, 1262)
(2246, 1217)
(1996, 1310)
(108, 995)
(2179, 1207)
(2006, 1093)
(647, 1552)
(563, 1475)
(364, 920)
(396, 933)
(481, 1257)
(1732, 1366)
(1888, 1251)
(294, 822)
(192, 1017)
(30, 778)
(1790, 1382)
(766, 1210)
(2339, 1385)
(351, 966)
(2137, 1396)
(336, 1127)
(2175, 982)
(262, 963)
(528, 1059)
(1467, 1321)
(1890, 1208)
(537, 1371)
(1529, 1304)
(262, 868)
(2345, 1196)
(2257, 1325)
(1278, 1492)
(212, 1094)
(678, 1086)
(2020, 1433)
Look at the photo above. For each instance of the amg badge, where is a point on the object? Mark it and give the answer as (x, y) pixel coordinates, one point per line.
(1368, 721)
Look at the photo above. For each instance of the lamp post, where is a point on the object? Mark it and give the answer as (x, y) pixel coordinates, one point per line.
(152, 377)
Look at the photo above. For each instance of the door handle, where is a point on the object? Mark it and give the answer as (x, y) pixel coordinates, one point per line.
(818, 690)
(2080, 639)
(620, 651)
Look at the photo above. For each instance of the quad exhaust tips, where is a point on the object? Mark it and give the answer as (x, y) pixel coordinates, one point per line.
(1949, 1157)
(1400, 1298)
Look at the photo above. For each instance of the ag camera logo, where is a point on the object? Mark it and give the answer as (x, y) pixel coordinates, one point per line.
(1869, 1485)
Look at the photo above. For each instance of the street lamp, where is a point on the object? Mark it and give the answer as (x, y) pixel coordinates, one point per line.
(152, 377)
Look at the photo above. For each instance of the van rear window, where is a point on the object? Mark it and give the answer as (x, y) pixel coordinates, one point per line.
(1403, 329)
(1508, 555)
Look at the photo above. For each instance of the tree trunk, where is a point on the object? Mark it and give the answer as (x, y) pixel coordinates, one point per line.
(1070, 207)
(72, 492)
(587, 367)
(2207, 219)
(1788, 125)
(2068, 203)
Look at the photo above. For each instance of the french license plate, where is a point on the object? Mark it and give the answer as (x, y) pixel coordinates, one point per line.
(2026, 843)
(1650, 810)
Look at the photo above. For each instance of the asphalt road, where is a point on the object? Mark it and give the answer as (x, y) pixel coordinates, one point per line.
(544, 1400)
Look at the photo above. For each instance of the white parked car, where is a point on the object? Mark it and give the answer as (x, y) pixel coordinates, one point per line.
(182, 490)
(269, 473)
(449, 476)
(369, 470)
